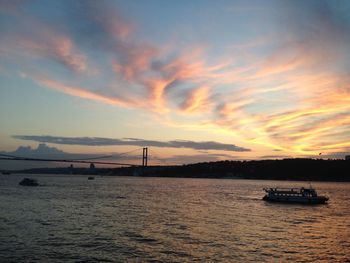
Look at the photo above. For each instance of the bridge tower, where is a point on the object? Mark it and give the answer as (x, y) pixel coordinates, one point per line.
(144, 156)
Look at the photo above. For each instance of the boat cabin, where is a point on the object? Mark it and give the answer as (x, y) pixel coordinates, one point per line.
(305, 192)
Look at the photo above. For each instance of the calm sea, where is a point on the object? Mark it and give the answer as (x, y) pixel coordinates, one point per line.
(133, 219)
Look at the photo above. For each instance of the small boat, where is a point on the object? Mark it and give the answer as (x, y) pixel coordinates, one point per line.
(294, 195)
(6, 173)
(29, 182)
(91, 178)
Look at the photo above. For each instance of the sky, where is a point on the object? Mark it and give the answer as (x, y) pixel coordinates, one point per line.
(192, 80)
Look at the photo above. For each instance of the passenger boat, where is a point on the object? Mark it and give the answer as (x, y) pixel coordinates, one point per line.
(294, 195)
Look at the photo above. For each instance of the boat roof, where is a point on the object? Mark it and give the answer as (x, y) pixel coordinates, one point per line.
(292, 189)
(285, 188)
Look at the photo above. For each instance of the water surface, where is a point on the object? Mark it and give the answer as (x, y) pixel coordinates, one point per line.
(118, 219)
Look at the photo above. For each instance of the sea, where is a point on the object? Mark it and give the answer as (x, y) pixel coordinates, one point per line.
(69, 218)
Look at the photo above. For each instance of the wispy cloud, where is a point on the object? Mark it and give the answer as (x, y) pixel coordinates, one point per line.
(84, 93)
(94, 141)
(294, 97)
(32, 39)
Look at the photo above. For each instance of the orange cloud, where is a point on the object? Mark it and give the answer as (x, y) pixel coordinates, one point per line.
(197, 100)
(83, 93)
(293, 99)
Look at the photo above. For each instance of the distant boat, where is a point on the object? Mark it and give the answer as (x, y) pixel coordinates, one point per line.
(29, 182)
(91, 178)
(294, 195)
(6, 173)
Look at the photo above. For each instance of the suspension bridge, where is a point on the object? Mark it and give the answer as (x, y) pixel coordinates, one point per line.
(92, 160)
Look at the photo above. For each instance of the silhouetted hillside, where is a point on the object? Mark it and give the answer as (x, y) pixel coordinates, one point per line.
(287, 169)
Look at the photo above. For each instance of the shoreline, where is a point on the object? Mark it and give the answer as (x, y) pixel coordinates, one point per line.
(284, 170)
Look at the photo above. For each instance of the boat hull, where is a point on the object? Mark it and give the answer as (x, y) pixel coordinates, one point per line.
(300, 200)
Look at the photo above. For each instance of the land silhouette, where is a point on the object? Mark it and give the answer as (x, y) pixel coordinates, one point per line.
(287, 169)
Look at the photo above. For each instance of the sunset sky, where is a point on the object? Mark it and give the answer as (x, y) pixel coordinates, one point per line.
(192, 80)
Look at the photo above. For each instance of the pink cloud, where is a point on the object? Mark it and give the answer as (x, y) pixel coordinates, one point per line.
(82, 92)
(197, 101)
(57, 48)
(135, 61)
(44, 42)
(269, 101)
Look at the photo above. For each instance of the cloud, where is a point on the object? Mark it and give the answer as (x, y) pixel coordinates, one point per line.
(95, 141)
(306, 104)
(147, 72)
(11, 7)
(22, 42)
(197, 100)
(293, 97)
(84, 93)
(45, 151)
(135, 157)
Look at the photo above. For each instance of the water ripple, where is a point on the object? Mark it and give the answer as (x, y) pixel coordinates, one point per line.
(134, 219)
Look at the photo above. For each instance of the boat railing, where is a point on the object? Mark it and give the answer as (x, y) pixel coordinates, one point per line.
(275, 189)
(280, 189)
(291, 191)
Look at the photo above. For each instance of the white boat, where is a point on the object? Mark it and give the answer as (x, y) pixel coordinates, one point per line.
(294, 195)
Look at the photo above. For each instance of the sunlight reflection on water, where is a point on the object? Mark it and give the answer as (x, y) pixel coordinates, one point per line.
(112, 219)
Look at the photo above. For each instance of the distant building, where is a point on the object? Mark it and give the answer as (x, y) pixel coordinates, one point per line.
(347, 157)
